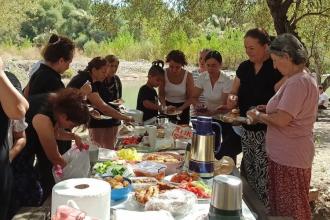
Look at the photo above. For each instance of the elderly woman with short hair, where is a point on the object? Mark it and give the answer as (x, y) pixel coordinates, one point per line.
(289, 116)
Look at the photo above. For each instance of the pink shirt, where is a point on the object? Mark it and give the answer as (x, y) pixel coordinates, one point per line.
(293, 144)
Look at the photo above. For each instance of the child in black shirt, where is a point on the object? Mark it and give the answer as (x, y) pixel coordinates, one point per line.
(147, 100)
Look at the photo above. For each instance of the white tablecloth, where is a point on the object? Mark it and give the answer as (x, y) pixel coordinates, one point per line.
(200, 210)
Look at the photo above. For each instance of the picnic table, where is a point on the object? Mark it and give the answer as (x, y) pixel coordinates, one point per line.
(200, 209)
(250, 202)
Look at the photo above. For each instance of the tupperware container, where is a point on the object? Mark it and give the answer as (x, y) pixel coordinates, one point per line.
(143, 182)
(150, 169)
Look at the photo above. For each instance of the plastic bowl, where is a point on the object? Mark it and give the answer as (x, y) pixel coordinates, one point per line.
(122, 193)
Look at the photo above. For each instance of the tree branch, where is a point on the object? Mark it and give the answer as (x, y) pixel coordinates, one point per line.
(321, 13)
(286, 4)
(294, 16)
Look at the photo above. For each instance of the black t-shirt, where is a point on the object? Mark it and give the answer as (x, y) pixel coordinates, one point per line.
(114, 87)
(256, 89)
(38, 104)
(5, 171)
(78, 81)
(147, 93)
(14, 80)
(45, 80)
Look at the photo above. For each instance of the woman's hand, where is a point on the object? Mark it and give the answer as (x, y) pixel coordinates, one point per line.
(129, 119)
(222, 109)
(79, 142)
(86, 89)
(261, 108)
(63, 163)
(253, 115)
(232, 101)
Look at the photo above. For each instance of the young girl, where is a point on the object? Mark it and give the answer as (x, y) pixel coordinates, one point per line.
(147, 100)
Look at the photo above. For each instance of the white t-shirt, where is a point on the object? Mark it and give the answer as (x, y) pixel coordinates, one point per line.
(195, 75)
(176, 93)
(213, 95)
(324, 98)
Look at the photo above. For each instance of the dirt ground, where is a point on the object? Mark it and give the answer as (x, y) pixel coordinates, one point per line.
(321, 167)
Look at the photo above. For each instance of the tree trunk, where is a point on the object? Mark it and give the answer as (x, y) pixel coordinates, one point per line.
(278, 10)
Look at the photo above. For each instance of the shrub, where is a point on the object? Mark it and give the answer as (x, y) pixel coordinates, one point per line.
(68, 73)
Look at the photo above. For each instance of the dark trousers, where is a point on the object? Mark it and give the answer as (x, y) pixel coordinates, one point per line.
(6, 181)
(231, 142)
(183, 118)
(322, 107)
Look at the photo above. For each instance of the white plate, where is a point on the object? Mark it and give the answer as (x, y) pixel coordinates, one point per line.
(101, 117)
(116, 103)
(173, 113)
(98, 116)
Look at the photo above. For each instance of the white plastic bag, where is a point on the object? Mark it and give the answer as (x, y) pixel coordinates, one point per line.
(177, 201)
(78, 165)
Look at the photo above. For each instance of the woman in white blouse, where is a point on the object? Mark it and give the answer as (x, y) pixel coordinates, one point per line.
(215, 87)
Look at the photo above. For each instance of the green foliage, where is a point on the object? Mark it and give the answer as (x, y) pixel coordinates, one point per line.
(92, 48)
(69, 73)
(12, 14)
(144, 29)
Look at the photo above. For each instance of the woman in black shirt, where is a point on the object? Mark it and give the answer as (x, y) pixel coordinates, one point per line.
(13, 106)
(57, 54)
(255, 83)
(114, 89)
(147, 100)
(48, 116)
(99, 98)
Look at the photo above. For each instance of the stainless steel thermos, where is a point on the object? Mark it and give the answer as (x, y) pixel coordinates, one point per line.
(226, 202)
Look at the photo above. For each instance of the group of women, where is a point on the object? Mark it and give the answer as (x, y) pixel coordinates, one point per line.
(273, 88)
(53, 111)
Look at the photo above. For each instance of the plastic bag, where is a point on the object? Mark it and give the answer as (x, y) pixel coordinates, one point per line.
(70, 211)
(78, 165)
(177, 131)
(176, 201)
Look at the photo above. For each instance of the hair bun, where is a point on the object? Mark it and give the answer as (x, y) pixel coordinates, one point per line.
(54, 39)
(159, 63)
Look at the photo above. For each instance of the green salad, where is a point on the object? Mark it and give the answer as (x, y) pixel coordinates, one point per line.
(112, 168)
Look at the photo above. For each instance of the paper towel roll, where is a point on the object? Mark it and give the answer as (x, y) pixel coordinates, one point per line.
(91, 195)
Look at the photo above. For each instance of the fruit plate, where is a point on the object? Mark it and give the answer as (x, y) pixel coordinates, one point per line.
(168, 179)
